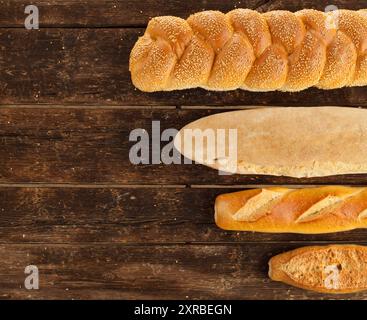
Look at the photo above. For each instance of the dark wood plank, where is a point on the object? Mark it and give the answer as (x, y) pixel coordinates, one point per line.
(148, 272)
(126, 215)
(45, 145)
(90, 66)
(97, 13)
(123, 242)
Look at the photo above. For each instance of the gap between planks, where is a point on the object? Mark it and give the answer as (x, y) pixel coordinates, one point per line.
(88, 186)
(88, 107)
(184, 107)
(71, 26)
(156, 186)
(181, 244)
(117, 107)
(260, 186)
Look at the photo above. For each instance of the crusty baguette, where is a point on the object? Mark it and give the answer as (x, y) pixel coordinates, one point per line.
(326, 269)
(278, 210)
(277, 50)
(296, 142)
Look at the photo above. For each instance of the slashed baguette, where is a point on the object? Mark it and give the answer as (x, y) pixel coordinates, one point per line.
(326, 269)
(279, 210)
(277, 50)
(296, 142)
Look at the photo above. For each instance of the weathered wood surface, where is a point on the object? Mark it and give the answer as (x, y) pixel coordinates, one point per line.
(73, 204)
(132, 13)
(89, 146)
(93, 271)
(90, 66)
(128, 216)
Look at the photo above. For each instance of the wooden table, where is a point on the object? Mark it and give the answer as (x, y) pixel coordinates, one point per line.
(71, 202)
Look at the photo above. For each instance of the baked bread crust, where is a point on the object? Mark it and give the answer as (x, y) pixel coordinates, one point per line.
(326, 269)
(296, 142)
(281, 210)
(277, 50)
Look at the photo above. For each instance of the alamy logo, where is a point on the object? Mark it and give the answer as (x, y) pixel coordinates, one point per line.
(31, 281)
(332, 274)
(210, 146)
(332, 17)
(32, 21)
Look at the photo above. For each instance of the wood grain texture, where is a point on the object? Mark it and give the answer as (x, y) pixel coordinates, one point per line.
(92, 271)
(46, 145)
(127, 215)
(127, 13)
(122, 241)
(90, 66)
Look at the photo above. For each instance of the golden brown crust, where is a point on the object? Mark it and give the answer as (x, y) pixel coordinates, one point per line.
(277, 50)
(280, 210)
(327, 269)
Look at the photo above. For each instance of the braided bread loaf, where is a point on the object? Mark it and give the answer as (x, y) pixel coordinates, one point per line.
(278, 50)
(309, 210)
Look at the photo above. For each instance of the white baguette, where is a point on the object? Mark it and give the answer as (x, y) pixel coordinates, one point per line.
(296, 142)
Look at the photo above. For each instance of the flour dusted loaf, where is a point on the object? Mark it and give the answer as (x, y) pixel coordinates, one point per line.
(296, 142)
(327, 269)
(277, 50)
(308, 210)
